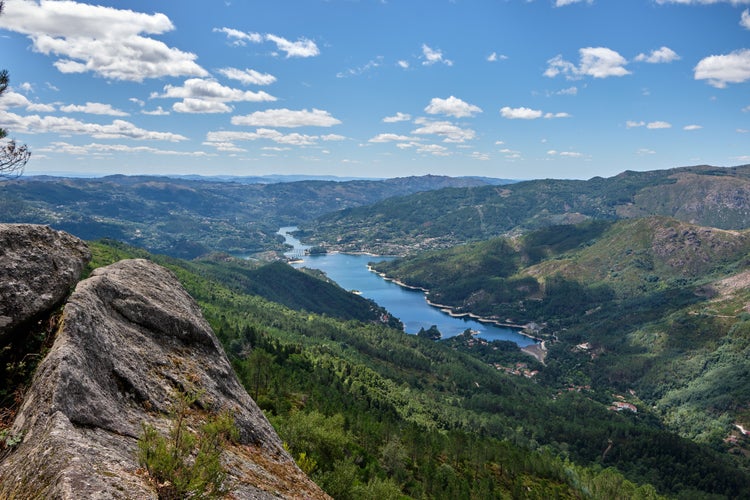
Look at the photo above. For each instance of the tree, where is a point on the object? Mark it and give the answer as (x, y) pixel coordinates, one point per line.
(13, 157)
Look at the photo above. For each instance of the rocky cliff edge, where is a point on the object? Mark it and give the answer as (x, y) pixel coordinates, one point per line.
(130, 342)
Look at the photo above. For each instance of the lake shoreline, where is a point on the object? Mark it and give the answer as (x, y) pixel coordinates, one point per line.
(451, 311)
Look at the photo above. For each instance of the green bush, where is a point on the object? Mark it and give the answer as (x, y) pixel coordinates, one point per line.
(187, 464)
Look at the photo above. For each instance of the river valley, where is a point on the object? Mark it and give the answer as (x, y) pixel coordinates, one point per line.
(350, 271)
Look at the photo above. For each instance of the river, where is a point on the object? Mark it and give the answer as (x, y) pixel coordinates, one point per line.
(351, 273)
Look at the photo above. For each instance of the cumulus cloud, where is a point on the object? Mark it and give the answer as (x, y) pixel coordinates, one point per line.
(118, 129)
(745, 19)
(225, 137)
(692, 127)
(523, 113)
(11, 99)
(248, 76)
(303, 47)
(380, 138)
(106, 41)
(97, 148)
(403, 64)
(398, 117)
(432, 56)
(287, 118)
(201, 95)
(723, 69)
(93, 108)
(449, 131)
(155, 112)
(598, 62)
(520, 113)
(452, 106)
(661, 55)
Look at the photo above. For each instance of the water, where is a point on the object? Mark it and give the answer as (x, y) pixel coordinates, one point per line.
(351, 273)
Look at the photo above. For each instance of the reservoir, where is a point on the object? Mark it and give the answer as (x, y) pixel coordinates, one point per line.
(351, 273)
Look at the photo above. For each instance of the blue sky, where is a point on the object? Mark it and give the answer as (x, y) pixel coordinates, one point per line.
(378, 88)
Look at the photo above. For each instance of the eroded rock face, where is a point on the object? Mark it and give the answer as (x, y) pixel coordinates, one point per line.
(131, 339)
(38, 268)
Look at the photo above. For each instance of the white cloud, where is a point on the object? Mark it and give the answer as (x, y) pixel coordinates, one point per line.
(303, 47)
(494, 57)
(562, 3)
(452, 106)
(476, 155)
(398, 117)
(598, 62)
(201, 106)
(448, 130)
(722, 69)
(93, 108)
(391, 138)
(520, 113)
(11, 99)
(528, 114)
(155, 112)
(103, 40)
(692, 127)
(433, 149)
(650, 125)
(287, 118)
(661, 55)
(240, 37)
(118, 129)
(137, 101)
(645, 151)
(262, 134)
(332, 137)
(745, 19)
(433, 56)
(403, 64)
(658, 125)
(564, 154)
(248, 76)
(97, 148)
(211, 90)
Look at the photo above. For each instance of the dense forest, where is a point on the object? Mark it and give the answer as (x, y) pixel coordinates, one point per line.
(654, 306)
(369, 411)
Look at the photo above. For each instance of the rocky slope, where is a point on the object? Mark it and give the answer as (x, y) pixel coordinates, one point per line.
(131, 341)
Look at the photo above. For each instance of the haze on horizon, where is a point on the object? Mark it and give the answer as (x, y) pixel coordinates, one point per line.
(378, 88)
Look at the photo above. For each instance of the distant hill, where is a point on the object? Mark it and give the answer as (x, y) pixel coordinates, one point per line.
(704, 195)
(655, 306)
(188, 218)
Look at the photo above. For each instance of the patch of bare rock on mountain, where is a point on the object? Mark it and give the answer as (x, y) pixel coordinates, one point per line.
(38, 268)
(131, 341)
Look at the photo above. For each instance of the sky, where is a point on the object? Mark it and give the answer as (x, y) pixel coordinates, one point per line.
(514, 89)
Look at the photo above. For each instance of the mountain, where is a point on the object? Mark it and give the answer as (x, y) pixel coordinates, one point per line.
(189, 218)
(703, 195)
(655, 306)
(132, 359)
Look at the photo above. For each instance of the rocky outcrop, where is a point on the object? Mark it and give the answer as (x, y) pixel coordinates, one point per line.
(130, 342)
(38, 268)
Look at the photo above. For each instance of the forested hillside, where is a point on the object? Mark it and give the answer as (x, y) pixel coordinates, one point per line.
(370, 411)
(189, 218)
(654, 306)
(711, 196)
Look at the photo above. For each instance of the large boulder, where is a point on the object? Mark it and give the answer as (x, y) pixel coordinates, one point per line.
(38, 268)
(131, 341)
